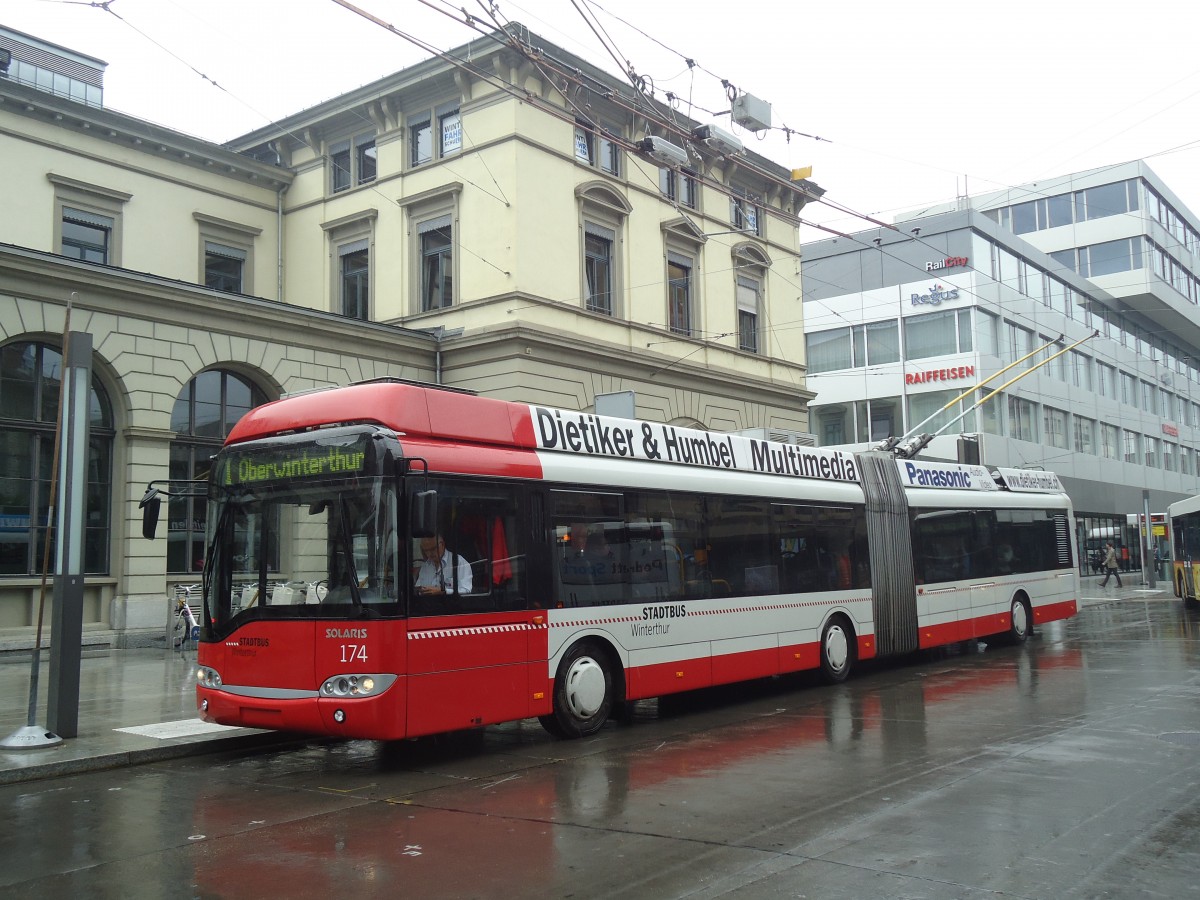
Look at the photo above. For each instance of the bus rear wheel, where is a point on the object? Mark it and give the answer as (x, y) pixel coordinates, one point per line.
(837, 650)
(583, 693)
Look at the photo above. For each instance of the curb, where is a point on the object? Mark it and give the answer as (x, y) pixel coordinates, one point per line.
(124, 758)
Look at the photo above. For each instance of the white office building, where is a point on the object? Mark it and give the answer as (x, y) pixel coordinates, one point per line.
(900, 322)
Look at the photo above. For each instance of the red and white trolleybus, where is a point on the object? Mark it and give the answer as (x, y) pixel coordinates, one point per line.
(388, 560)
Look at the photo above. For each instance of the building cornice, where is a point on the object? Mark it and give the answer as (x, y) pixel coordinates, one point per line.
(144, 137)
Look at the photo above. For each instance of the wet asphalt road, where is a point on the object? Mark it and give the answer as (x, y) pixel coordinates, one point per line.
(1066, 768)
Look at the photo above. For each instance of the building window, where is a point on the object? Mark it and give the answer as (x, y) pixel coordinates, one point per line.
(829, 350)
(1106, 200)
(352, 162)
(1022, 421)
(204, 413)
(1110, 257)
(937, 334)
(1056, 366)
(1084, 435)
(602, 212)
(437, 263)
(745, 213)
(596, 146)
(29, 388)
(420, 139)
(679, 293)
(1151, 452)
(223, 267)
(449, 130)
(1110, 436)
(750, 266)
(749, 300)
(86, 236)
(426, 144)
(836, 424)
(1168, 461)
(1132, 447)
(226, 253)
(87, 223)
(1055, 423)
(1185, 460)
(927, 407)
(354, 279)
(680, 186)
(1129, 389)
(598, 244)
(1149, 397)
(1081, 370)
(879, 418)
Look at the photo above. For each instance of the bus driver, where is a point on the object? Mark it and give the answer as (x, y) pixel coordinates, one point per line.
(441, 571)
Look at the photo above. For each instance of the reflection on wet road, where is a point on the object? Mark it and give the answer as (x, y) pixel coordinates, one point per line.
(1065, 768)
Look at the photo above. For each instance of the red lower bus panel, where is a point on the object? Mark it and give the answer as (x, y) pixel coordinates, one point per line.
(745, 666)
(668, 678)
(469, 698)
(1055, 611)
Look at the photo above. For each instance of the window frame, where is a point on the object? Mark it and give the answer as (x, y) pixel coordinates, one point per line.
(233, 236)
(680, 185)
(598, 146)
(91, 200)
(343, 234)
(597, 298)
(429, 124)
(750, 267)
(428, 212)
(602, 213)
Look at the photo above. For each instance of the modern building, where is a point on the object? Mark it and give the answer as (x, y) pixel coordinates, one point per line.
(506, 217)
(900, 321)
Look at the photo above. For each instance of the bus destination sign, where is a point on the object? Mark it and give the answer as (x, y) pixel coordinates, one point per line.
(292, 463)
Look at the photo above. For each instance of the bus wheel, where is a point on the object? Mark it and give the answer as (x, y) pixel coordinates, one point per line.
(583, 693)
(837, 650)
(1021, 621)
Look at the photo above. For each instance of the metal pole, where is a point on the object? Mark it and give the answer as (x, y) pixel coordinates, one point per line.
(66, 629)
(31, 736)
(1147, 538)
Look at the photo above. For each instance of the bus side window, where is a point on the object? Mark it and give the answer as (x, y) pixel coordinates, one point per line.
(479, 523)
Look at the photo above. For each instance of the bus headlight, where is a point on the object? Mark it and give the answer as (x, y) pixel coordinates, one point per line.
(360, 685)
(208, 677)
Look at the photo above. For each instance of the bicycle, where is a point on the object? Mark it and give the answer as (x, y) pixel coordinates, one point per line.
(186, 629)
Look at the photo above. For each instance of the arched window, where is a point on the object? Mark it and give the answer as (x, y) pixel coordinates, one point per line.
(30, 374)
(205, 412)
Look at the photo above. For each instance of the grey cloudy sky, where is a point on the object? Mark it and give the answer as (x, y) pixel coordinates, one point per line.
(915, 102)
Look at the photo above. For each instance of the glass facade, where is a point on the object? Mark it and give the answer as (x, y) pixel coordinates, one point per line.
(204, 414)
(29, 395)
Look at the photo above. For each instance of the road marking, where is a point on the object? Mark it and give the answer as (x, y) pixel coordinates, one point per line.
(165, 731)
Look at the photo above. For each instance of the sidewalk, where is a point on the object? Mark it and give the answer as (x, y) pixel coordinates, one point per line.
(139, 706)
(1132, 588)
(135, 706)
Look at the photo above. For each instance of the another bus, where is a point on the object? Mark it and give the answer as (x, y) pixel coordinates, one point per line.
(1183, 525)
(588, 562)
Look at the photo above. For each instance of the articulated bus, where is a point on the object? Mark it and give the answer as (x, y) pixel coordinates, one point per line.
(1183, 525)
(389, 560)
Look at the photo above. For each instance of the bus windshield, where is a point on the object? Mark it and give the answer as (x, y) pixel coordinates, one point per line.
(306, 547)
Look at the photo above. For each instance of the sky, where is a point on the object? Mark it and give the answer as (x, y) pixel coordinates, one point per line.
(896, 106)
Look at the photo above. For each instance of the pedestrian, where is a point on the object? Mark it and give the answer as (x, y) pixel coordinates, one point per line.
(1110, 565)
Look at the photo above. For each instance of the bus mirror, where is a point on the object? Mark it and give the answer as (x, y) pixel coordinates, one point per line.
(424, 514)
(150, 505)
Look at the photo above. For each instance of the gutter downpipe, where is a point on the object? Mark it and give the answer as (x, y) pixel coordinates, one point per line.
(279, 241)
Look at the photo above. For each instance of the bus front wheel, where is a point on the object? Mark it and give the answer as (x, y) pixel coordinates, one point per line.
(837, 650)
(1020, 621)
(583, 693)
